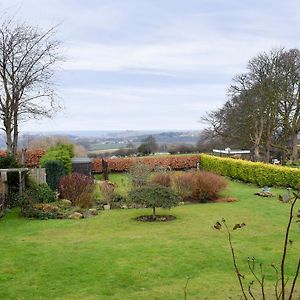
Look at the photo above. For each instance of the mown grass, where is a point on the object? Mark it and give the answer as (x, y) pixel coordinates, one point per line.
(112, 256)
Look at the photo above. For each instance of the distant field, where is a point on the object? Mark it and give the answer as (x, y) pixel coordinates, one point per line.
(100, 147)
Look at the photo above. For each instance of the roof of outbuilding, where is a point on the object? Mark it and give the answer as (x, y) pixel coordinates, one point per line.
(78, 160)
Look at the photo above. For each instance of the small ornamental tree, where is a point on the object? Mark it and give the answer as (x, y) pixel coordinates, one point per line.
(154, 196)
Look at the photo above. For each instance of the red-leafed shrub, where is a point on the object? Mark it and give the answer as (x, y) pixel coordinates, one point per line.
(175, 162)
(198, 186)
(78, 189)
(163, 179)
(207, 185)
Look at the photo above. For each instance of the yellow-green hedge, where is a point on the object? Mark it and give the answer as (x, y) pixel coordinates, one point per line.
(254, 172)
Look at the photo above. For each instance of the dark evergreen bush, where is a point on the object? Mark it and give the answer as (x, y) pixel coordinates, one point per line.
(54, 170)
(7, 162)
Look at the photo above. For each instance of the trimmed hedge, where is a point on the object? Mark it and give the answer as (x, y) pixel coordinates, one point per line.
(33, 157)
(176, 162)
(253, 172)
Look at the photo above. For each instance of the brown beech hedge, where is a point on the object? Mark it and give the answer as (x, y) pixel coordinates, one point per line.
(176, 162)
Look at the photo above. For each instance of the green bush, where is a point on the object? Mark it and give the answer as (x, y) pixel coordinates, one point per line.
(8, 161)
(154, 196)
(258, 173)
(54, 170)
(62, 155)
(65, 147)
(43, 194)
(30, 210)
(14, 198)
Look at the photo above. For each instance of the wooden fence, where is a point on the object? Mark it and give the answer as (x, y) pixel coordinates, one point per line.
(38, 174)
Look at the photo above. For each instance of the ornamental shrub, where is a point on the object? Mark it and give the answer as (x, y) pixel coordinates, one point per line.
(65, 147)
(41, 211)
(77, 188)
(258, 173)
(163, 179)
(108, 191)
(139, 174)
(43, 194)
(9, 161)
(207, 185)
(54, 171)
(62, 155)
(198, 186)
(35, 201)
(85, 199)
(154, 196)
(183, 185)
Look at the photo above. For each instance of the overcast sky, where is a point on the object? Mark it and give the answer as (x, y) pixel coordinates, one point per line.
(153, 64)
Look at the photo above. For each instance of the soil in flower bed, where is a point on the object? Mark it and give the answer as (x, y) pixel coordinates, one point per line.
(160, 218)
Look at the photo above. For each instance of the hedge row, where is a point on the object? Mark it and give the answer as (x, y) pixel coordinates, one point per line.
(176, 162)
(123, 164)
(253, 172)
(33, 158)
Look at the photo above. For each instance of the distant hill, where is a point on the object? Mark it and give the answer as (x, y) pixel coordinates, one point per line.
(111, 139)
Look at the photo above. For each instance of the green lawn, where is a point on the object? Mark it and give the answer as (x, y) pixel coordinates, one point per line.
(112, 256)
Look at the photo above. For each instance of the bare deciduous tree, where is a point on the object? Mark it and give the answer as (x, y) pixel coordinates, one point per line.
(264, 107)
(28, 56)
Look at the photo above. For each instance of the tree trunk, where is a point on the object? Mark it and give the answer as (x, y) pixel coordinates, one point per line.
(256, 152)
(153, 211)
(294, 156)
(8, 132)
(268, 149)
(259, 126)
(268, 143)
(15, 126)
(15, 141)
